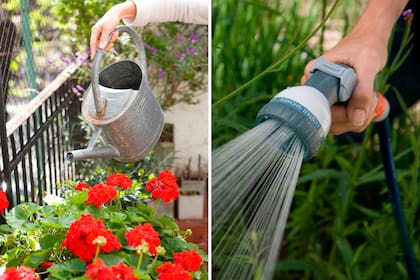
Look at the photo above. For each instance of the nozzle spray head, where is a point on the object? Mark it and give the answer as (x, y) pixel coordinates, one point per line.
(306, 109)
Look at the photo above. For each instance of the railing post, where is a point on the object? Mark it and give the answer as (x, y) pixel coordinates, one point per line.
(5, 175)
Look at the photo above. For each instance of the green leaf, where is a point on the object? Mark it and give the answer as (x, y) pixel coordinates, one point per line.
(65, 270)
(36, 258)
(5, 228)
(111, 259)
(175, 244)
(168, 222)
(12, 257)
(322, 173)
(144, 209)
(302, 265)
(18, 217)
(297, 265)
(78, 198)
(47, 210)
(66, 219)
(50, 240)
(51, 222)
(133, 214)
(98, 212)
(117, 217)
(358, 253)
(142, 276)
(344, 248)
(366, 211)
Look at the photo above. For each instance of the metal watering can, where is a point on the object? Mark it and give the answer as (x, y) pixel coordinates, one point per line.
(122, 108)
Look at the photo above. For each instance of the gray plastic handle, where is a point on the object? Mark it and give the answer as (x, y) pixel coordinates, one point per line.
(99, 104)
(345, 75)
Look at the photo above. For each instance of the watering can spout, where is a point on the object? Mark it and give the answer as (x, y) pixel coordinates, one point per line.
(99, 152)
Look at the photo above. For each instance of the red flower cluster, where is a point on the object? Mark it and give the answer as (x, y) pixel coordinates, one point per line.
(118, 179)
(81, 185)
(20, 273)
(100, 194)
(81, 235)
(143, 233)
(164, 186)
(170, 271)
(99, 271)
(4, 203)
(184, 262)
(190, 260)
(103, 193)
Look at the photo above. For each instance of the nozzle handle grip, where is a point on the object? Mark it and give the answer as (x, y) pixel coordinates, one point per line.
(337, 82)
(344, 74)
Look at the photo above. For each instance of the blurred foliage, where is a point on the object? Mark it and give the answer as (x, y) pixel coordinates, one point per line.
(45, 34)
(176, 52)
(273, 28)
(76, 18)
(341, 224)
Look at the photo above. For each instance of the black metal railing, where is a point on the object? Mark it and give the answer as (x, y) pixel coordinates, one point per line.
(33, 145)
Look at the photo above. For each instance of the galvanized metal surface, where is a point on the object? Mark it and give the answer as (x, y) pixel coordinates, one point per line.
(120, 103)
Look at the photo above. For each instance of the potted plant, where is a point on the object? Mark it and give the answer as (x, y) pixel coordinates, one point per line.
(101, 231)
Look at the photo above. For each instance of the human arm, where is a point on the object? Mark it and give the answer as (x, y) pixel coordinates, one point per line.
(142, 12)
(188, 11)
(365, 49)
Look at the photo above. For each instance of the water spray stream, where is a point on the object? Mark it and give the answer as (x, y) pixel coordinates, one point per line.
(252, 198)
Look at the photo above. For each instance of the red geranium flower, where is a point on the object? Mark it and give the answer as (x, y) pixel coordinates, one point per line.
(100, 194)
(190, 260)
(81, 185)
(123, 272)
(119, 179)
(4, 203)
(20, 273)
(170, 271)
(143, 233)
(99, 271)
(164, 186)
(82, 235)
(46, 265)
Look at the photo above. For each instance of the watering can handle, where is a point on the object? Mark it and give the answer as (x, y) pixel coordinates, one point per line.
(99, 104)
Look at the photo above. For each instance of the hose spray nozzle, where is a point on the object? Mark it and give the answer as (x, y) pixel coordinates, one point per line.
(306, 109)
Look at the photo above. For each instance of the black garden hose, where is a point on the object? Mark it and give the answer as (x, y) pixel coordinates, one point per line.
(394, 195)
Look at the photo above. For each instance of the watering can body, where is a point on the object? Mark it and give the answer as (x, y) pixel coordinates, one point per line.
(120, 105)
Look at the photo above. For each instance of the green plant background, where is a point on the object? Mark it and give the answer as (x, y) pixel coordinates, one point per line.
(341, 224)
